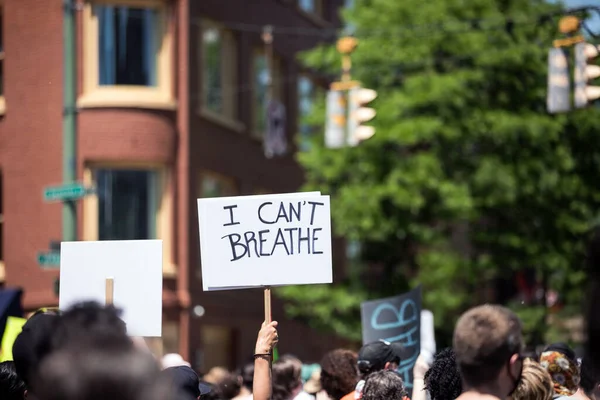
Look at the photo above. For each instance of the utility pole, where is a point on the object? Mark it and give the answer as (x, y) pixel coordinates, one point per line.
(69, 213)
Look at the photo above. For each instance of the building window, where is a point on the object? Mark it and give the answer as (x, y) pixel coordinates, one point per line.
(261, 90)
(130, 203)
(219, 70)
(311, 6)
(306, 98)
(127, 202)
(127, 54)
(127, 45)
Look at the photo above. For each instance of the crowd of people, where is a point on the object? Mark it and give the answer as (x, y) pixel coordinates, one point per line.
(85, 353)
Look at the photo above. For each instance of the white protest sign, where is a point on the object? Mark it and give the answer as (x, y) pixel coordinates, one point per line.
(267, 240)
(205, 271)
(135, 267)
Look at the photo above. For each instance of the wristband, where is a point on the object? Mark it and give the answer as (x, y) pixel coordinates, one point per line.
(262, 355)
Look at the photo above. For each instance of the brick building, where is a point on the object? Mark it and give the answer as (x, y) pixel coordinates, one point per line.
(170, 108)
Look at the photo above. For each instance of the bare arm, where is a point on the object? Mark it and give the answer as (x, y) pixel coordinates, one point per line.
(267, 339)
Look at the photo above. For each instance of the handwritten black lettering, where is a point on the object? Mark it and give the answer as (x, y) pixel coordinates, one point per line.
(291, 231)
(250, 237)
(280, 241)
(295, 212)
(230, 208)
(314, 205)
(262, 240)
(235, 243)
(260, 213)
(303, 239)
(314, 239)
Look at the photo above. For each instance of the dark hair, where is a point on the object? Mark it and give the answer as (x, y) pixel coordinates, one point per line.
(100, 374)
(287, 376)
(384, 385)
(91, 324)
(485, 338)
(229, 386)
(589, 377)
(11, 386)
(442, 380)
(214, 394)
(247, 374)
(33, 344)
(339, 373)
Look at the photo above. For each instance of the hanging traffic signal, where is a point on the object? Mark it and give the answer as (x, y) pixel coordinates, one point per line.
(357, 115)
(558, 98)
(336, 120)
(584, 73)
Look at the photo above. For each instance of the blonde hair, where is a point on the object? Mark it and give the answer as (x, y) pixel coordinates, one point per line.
(535, 384)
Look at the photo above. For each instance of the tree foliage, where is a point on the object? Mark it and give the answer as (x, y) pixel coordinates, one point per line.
(467, 179)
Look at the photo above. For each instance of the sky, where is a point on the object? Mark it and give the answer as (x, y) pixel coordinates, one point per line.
(594, 21)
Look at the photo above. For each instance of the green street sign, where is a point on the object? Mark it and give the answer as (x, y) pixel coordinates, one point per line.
(71, 191)
(50, 259)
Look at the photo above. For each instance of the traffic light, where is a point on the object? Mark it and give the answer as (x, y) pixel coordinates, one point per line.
(336, 120)
(584, 73)
(357, 115)
(558, 98)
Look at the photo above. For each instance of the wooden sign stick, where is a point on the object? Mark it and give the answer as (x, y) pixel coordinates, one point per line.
(267, 304)
(110, 288)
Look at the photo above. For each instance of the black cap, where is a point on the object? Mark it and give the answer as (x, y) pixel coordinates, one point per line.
(33, 344)
(185, 379)
(373, 356)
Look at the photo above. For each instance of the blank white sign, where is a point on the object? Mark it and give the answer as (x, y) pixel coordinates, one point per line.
(136, 268)
(269, 240)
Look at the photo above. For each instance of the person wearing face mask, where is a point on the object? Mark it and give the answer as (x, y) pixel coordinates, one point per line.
(488, 342)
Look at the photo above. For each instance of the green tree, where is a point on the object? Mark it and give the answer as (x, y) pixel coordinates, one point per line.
(467, 178)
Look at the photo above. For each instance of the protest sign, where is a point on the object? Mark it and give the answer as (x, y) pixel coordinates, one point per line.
(396, 319)
(133, 269)
(266, 240)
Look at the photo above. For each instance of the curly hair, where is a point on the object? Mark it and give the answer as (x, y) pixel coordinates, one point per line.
(442, 380)
(339, 373)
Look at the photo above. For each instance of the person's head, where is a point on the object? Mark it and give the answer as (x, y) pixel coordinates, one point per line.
(247, 374)
(287, 381)
(12, 386)
(91, 373)
(535, 383)
(379, 355)
(33, 344)
(487, 342)
(184, 381)
(442, 380)
(384, 385)
(590, 379)
(339, 373)
(230, 386)
(89, 323)
(559, 360)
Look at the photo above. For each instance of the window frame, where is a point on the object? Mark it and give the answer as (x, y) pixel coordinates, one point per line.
(278, 89)
(163, 213)
(229, 78)
(95, 95)
(317, 17)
